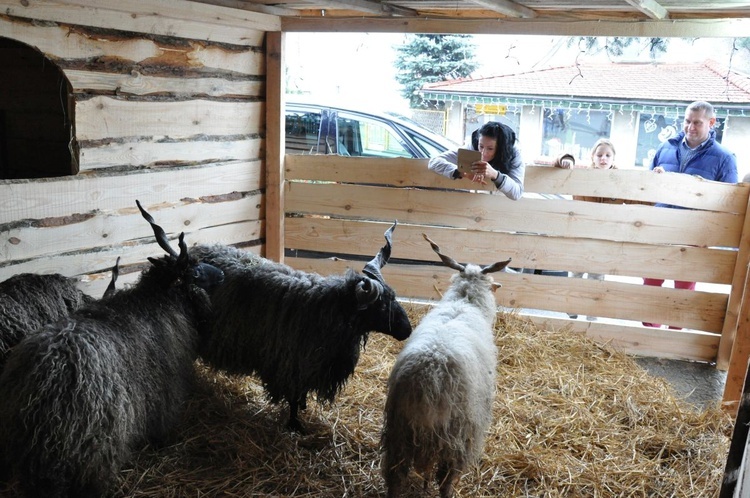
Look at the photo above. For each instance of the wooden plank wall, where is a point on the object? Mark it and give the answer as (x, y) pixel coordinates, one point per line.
(351, 201)
(169, 109)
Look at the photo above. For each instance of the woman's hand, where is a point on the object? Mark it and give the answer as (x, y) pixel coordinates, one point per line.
(482, 171)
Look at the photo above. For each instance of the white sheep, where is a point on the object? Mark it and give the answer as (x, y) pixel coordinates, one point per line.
(441, 388)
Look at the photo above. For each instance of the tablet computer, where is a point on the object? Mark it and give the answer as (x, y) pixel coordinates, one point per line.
(465, 159)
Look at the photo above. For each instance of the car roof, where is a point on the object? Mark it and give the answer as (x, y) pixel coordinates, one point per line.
(395, 117)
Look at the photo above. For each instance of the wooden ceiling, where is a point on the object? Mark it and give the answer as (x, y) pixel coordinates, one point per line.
(648, 18)
(557, 10)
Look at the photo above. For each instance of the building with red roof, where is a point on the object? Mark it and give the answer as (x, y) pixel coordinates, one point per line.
(637, 105)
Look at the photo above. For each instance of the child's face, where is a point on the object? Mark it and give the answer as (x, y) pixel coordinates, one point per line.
(603, 157)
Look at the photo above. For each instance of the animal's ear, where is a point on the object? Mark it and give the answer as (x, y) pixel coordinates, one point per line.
(183, 258)
(495, 286)
(367, 291)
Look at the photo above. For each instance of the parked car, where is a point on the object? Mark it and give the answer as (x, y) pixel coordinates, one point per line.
(313, 128)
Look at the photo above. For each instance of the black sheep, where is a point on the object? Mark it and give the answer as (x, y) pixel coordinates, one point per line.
(29, 300)
(299, 332)
(83, 392)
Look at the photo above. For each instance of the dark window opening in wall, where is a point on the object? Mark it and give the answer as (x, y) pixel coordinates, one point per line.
(36, 115)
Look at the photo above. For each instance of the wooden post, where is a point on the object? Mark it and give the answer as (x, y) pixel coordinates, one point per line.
(738, 362)
(275, 146)
(735, 315)
(735, 471)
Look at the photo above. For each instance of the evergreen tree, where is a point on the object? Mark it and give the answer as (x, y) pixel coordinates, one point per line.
(426, 59)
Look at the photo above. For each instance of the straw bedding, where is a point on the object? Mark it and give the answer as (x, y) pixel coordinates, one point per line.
(571, 419)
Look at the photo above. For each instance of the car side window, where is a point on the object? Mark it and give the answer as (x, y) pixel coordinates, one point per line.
(302, 129)
(370, 138)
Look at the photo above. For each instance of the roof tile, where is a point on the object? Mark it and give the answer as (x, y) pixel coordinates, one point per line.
(650, 81)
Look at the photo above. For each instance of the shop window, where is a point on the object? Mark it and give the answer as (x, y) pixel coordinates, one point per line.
(36, 115)
(573, 131)
(653, 129)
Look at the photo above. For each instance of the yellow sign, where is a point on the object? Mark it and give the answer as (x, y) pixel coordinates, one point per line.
(498, 109)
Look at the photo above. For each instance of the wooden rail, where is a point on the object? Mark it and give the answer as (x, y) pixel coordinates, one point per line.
(338, 206)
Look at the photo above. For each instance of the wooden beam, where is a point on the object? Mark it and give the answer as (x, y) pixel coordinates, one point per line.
(679, 28)
(651, 8)
(368, 6)
(252, 7)
(738, 362)
(275, 145)
(734, 319)
(507, 8)
(161, 17)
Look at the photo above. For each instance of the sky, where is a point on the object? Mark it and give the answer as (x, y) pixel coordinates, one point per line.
(357, 69)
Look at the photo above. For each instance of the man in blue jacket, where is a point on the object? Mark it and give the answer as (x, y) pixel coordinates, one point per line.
(694, 151)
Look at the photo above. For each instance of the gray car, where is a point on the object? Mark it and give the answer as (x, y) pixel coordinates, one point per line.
(313, 128)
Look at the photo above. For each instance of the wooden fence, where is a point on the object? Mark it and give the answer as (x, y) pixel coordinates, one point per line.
(340, 206)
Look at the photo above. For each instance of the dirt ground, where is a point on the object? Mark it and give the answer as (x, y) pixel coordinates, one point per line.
(701, 383)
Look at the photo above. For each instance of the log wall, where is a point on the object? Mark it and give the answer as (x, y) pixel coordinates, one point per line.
(169, 109)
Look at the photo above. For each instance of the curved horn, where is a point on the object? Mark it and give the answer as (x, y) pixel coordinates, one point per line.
(161, 236)
(500, 265)
(372, 269)
(183, 248)
(447, 260)
(367, 292)
(115, 273)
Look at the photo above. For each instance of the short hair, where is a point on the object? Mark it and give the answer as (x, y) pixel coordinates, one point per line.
(701, 106)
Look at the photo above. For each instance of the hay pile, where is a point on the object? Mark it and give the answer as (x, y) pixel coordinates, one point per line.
(571, 419)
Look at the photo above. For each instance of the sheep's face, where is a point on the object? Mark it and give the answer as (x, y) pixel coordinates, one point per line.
(386, 315)
(183, 270)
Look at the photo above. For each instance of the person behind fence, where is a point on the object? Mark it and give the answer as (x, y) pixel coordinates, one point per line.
(602, 157)
(694, 151)
(501, 161)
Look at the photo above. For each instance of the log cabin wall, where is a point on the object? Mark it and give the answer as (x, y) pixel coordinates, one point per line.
(340, 206)
(169, 109)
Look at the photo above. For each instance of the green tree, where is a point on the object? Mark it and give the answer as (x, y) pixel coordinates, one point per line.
(426, 59)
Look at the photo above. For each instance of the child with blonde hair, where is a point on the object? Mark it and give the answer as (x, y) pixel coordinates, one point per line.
(602, 157)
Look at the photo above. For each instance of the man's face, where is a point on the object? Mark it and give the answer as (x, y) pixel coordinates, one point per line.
(697, 126)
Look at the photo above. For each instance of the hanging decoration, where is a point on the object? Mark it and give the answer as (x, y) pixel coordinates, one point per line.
(514, 104)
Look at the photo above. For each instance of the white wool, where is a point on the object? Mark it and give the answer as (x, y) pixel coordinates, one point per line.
(442, 385)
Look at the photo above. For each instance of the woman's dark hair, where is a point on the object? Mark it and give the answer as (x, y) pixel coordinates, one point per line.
(505, 138)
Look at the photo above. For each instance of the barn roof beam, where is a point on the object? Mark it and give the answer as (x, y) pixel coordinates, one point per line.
(367, 6)
(507, 8)
(651, 8)
(251, 7)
